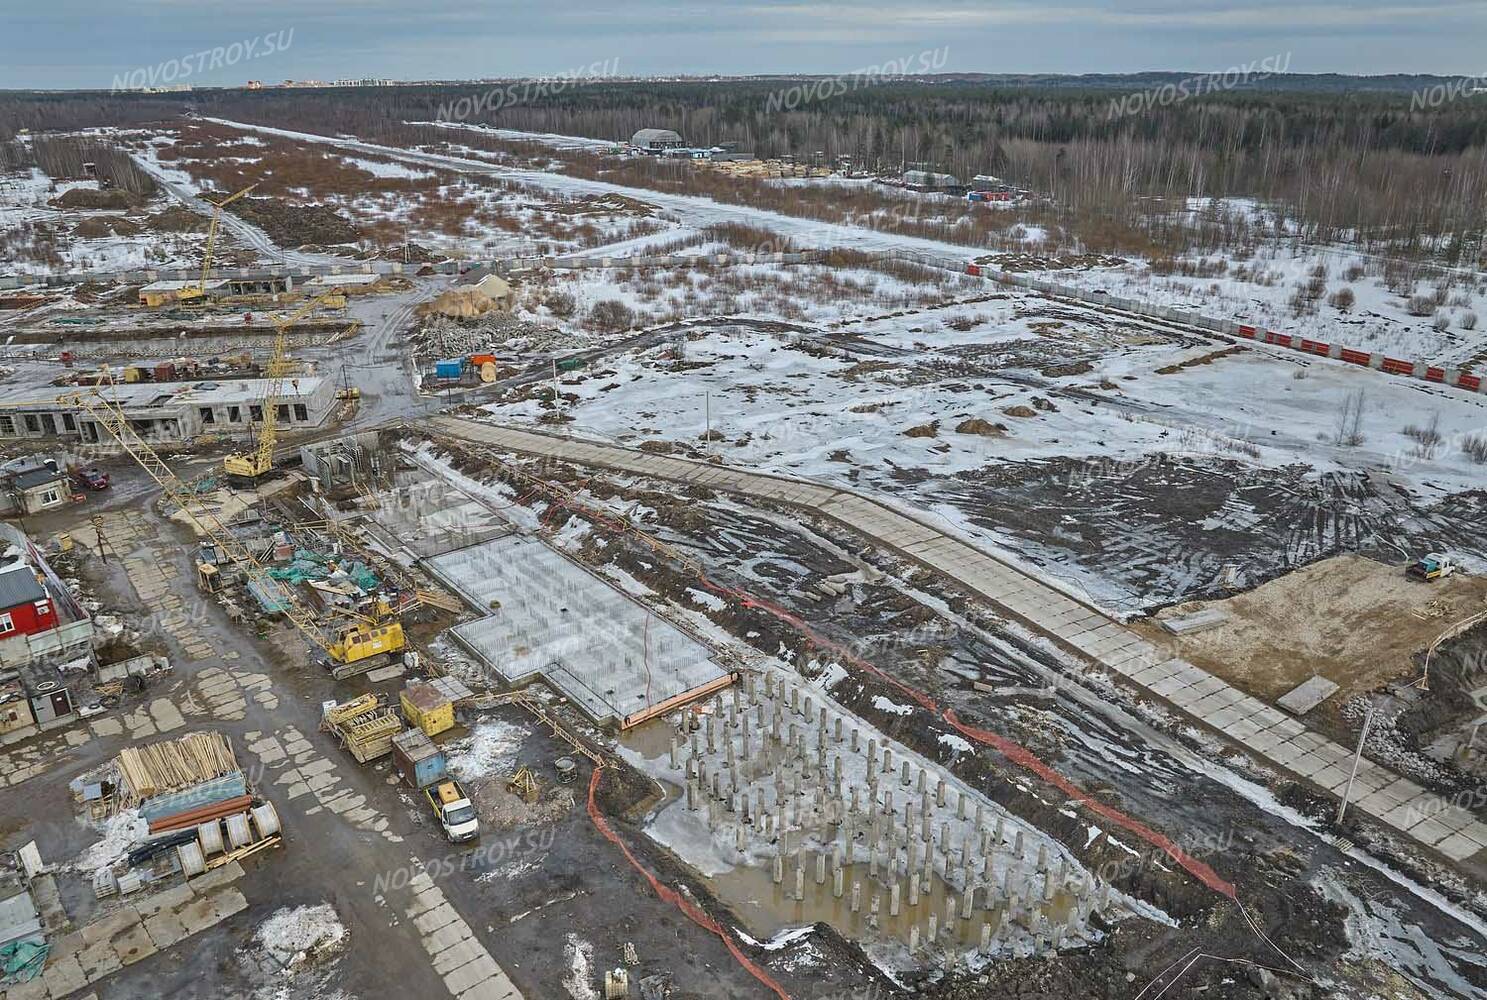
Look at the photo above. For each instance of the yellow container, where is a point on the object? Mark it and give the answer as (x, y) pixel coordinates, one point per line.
(426, 708)
(131, 374)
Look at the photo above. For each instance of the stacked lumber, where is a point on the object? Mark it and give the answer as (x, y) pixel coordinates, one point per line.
(370, 736)
(165, 767)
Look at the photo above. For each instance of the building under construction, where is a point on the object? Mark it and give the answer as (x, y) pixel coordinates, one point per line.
(169, 413)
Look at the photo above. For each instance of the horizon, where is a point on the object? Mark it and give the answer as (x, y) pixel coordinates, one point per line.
(84, 45)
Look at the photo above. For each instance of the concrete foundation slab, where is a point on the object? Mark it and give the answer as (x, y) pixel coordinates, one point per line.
(615, 659)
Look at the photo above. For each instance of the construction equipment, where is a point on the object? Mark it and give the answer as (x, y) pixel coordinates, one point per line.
(343, 647)
(191, 294)
(249, 466)
(208, 578)
(365, 646)
(365, 727)
(1432, 566)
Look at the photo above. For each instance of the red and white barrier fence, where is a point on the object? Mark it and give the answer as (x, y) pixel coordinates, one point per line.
(1422, 370)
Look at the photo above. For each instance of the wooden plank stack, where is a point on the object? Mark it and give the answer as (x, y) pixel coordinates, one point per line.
(165, 767)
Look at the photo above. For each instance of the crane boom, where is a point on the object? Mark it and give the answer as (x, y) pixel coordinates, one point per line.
(243, 465)
(188, 293)
(358, 643)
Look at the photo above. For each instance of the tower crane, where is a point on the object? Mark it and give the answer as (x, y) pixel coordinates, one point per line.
(246, 466)
(356, 644)
(197, 293)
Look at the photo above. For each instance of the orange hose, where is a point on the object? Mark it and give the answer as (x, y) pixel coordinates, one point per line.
(692, 911)
(1013, 751)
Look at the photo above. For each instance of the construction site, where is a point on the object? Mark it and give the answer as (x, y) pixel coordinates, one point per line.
(709, 602)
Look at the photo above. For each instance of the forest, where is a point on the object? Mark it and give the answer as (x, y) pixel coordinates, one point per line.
(1371, 165)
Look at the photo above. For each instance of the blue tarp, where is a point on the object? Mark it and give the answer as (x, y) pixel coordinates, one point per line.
(229, 786)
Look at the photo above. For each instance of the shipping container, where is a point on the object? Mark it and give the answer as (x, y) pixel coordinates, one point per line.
(165, 372)
(476, 360)
(428, 708)
(417, 759)
(449, 369)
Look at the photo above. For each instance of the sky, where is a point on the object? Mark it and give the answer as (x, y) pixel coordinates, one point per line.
(92, 44)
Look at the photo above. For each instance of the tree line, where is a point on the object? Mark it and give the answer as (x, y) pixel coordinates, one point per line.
(1368, 166)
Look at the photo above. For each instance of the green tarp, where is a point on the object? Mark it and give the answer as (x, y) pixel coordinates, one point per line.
(22, 961)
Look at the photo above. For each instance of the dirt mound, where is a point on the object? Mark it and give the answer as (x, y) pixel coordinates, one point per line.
(100, 227)
(93, 198)
(1020, 411)
(296, 225)
(176, 219)
(976, 425)
(464, 302)
(928, 430)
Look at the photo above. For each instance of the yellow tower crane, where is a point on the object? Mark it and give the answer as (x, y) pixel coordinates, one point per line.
(191, 294)
(247, 466)
(356, 644)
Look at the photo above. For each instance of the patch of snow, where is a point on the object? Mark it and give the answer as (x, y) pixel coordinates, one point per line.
(882, 704)
(300, 934)
(489, 749)
(710, 601)
(783, 939)
(956, 743)
(579, 979)
(120, 833)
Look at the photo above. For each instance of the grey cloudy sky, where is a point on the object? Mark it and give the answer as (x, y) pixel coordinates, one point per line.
(87, 43)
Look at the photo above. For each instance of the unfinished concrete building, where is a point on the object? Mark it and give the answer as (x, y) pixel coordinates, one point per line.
(169, 413)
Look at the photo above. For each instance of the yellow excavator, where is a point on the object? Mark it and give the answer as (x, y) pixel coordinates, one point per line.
(367, 645)
(249, 466)
(197, 294)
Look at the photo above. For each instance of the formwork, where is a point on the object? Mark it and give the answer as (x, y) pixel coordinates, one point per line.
(551, 618)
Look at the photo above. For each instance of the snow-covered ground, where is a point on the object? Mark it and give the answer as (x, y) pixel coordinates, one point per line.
(541, 138)
(1259, 290)
(30, 224)
(934, 408)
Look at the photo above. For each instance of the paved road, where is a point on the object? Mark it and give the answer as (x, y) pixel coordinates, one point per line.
(1260, 729)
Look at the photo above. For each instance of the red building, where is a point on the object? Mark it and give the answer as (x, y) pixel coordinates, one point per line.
(25, 606)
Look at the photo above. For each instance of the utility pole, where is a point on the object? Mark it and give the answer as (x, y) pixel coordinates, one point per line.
(1347, 792)
(707, 411)
(557, 410)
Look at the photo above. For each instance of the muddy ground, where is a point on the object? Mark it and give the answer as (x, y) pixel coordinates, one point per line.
(1164, 530)
(1277, 869)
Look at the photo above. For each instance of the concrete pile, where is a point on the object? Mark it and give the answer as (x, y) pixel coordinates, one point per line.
(870, 835)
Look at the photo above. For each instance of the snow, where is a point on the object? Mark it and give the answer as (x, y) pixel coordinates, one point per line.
(710, 601)
(122, 831)
(579, 979)
(882, 704)
(490, 749)
(957, 743)
(783, 939)
(301, 934)
(543, 138)
(382, 168)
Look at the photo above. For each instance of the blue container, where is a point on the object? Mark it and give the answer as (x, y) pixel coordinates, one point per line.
(417, 759)
(449, 369)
